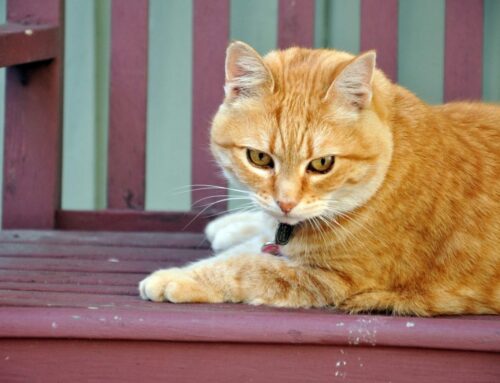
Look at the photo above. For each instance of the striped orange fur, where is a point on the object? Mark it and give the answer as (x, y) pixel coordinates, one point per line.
(406, 221)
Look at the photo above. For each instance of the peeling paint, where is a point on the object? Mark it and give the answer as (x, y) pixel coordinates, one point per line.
(363, 332)
(113, 260)
(54, 325)
(410, 324)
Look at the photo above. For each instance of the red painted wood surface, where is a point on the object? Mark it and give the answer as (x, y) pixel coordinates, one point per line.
(70, 300)
(463, 60)
(127, 220)
(128, 104)
(111, 239)
(22, 44)
(210, 39)
(295, 23)
(33, 126)
(119, 361)
(39, 277)
(379, 30)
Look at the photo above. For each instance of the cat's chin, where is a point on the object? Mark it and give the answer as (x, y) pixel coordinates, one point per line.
(281, 218)
(289, 221)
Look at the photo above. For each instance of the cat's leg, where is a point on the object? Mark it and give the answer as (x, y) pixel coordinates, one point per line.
(233, 229)
(400, 303)
(251, 278)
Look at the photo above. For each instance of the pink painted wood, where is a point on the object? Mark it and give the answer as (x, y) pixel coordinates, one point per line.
(129, 220)
(39, 42)
(463, 64)
(176, 240)
(296, 23)
(67, 300)
(13, 255)
(32, 155)
(379, 31)
(27, 360)
(232, 324)
(128, 104)
(210, 38)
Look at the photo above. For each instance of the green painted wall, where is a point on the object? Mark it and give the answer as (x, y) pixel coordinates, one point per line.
(85, 92)
(421, 47)
(420, 54)
(337, 24)
(169, 105)
(254, 22)
(491, 62)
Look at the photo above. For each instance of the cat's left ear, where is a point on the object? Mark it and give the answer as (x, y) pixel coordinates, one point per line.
(246, 73)
(352, 88)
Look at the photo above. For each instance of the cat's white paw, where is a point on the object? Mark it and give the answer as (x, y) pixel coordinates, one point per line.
(233, 229)
(176, 285)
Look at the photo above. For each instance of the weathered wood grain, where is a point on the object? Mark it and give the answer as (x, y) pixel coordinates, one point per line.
(129, 220)
(71, 277)
(295, 23)
(86, 265)
(231, 323)
(91, 360)
(379, 31)
(97, 252)
(112, 239)
(210, 39)
(106, 289)
(23, 44)
(463, 60)
(33, 127)
(128, 104)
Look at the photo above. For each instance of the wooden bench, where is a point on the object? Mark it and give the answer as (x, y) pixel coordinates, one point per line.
(69, 308)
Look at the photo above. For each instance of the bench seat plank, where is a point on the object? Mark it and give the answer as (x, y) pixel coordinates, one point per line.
(145, 239)
(65, 294)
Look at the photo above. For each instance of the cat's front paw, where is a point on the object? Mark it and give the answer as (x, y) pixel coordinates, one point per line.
(233, 229)
(175, 285)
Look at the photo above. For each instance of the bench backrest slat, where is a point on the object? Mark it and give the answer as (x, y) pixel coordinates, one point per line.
(379, 30)
(128, 104)
(463, 60)
(33, 126)
(210, 37)
(295, 23)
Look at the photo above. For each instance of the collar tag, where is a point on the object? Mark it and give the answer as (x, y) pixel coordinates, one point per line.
(271, 248)
(283, 234)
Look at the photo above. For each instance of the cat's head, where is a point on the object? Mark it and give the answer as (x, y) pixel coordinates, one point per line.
(304, 130)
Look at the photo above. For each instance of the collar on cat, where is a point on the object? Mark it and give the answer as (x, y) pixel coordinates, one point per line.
(282, 237)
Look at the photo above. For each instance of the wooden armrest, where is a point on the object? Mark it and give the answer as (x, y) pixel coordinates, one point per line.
(22, 44)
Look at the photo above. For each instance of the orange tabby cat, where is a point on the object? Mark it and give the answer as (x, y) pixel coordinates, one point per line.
(395, 203)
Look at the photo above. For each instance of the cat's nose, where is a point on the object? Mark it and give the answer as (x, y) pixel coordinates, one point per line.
(286, 206)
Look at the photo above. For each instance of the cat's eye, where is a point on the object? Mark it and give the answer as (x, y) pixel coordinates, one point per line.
(260, 159)
(321, 165)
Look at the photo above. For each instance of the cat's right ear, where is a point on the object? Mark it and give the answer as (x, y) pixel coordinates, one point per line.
(352, 89)
(246, 73)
